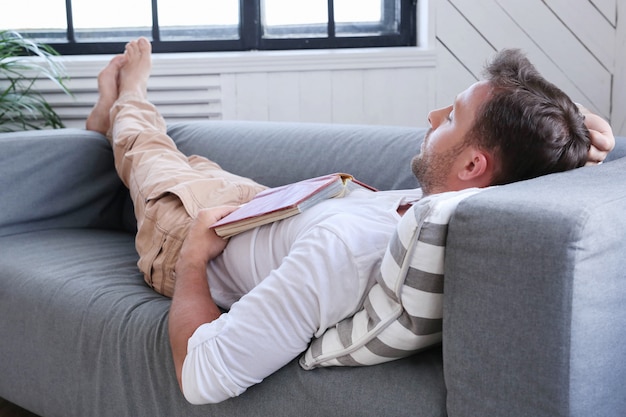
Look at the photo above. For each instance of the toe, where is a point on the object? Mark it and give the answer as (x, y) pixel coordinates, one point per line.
(144, 45)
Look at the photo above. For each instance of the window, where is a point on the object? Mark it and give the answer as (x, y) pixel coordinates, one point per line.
(91, 26)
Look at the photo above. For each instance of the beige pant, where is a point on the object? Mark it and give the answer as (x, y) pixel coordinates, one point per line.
(167, 187)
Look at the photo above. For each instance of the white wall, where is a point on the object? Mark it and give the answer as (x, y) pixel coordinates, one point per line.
(577, 44)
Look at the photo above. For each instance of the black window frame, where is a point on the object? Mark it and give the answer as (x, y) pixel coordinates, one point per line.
(250, 34)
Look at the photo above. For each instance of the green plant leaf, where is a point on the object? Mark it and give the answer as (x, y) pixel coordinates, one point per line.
(22, 63)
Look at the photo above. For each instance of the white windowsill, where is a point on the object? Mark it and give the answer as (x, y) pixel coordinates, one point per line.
(268, 61)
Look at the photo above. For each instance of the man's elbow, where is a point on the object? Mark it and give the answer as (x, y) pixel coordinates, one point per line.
(201, 383)
(196, 396)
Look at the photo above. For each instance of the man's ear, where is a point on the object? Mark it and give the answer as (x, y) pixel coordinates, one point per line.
(478, 168)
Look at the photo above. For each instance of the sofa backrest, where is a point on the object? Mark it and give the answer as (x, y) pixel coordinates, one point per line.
(278, 153)
(275, 153)
(619, 151)
(65, 177)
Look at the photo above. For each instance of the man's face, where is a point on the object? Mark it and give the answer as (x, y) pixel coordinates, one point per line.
(440, 156)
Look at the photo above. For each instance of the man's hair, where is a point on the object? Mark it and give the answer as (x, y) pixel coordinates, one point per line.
(531, 126)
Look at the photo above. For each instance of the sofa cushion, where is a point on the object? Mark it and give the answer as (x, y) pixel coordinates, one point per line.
(402, 312)
(82, 335)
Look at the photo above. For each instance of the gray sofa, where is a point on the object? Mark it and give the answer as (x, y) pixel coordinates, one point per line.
(534, 304)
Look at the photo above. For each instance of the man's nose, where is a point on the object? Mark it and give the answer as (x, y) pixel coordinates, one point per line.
(436, 117)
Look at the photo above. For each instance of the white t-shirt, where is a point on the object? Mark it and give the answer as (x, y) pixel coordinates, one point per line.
(285, 283)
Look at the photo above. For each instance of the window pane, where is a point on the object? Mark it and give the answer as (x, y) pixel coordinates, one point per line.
(199, 19)
(358, 11)
(290, 12)
(366, 17)
(280, 18)
(41, 19)
(198, 12)
(108, 20)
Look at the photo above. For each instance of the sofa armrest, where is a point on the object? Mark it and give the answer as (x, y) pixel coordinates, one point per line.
(58, 179)
(535, 296)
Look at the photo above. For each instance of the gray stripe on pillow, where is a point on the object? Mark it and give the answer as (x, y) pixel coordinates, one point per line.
(420, 325)
(397, 250)
(388, 291)
(424, 281)
(344, 330)
(316, 347)
(434, 234)
(381, 349)
(373, 317)
(347, 360)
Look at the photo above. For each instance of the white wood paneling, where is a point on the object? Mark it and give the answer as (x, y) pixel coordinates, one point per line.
(572, 59)
(608, 8)
(398, 98)
(284, 96)
(593, 30)
(573, 43)
(394, 88)
(316, 97)
(500, 24)
(456, 33)
(452, 77)
(252, 96)
(347, 87)
(228, 84)
(618, 116)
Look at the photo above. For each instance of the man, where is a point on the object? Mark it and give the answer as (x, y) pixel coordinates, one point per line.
(289, 281)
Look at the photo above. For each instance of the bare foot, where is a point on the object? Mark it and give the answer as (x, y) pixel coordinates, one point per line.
(136, 70)
(108, 90)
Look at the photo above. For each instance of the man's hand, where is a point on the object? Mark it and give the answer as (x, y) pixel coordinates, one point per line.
(202, 243)
(602, 139)
(192, 304)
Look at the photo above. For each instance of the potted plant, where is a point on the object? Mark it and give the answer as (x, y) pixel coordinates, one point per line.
(22, 62)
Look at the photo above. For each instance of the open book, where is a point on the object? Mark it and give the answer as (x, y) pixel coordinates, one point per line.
(281, 202)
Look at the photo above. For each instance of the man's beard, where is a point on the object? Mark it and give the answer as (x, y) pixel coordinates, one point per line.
(433, 169)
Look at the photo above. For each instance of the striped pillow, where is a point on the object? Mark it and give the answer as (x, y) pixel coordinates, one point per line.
(402, 312)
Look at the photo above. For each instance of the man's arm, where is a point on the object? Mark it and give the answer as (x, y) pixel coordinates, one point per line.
(192, 304)
(602, 139)
(269, 326)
